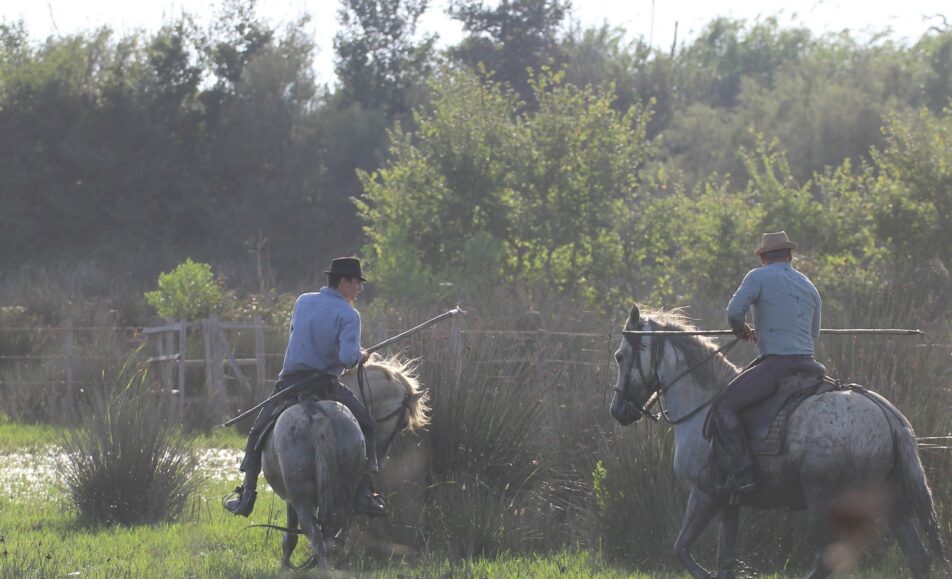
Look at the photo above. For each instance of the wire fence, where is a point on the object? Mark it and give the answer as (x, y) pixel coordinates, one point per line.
(232, 364)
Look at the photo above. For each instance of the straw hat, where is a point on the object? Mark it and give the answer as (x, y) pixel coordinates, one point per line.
(774, 241)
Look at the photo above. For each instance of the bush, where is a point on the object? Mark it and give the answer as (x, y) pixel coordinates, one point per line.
(127, 464)
(189, 292)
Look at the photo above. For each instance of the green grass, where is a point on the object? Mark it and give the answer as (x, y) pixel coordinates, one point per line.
(221, 438)
(40, 537)
(15, 437)
(18, 437)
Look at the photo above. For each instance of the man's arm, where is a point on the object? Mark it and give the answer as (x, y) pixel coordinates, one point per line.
(740, 303)
(349, 341)
(816, 315)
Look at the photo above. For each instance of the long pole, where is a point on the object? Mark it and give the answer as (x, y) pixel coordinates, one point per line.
(370, 350)
(400, 336)
(847, 331)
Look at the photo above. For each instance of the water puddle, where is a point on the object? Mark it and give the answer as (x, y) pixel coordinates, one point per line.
(33, 474)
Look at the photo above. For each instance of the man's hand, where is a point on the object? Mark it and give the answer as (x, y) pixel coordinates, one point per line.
(746, 333)
(364, 356)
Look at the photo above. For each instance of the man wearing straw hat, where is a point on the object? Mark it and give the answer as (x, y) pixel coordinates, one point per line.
(786, 312)
(324, 341)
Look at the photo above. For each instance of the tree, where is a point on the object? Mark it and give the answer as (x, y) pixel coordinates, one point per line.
(513, 40)
(378, 60)
(534, 198)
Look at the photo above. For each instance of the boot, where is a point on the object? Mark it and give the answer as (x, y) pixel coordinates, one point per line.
(245, 502)
(735, 462)
(367, 501)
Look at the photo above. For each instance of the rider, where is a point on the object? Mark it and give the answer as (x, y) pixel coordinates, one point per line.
(786, 308)
(324, 341)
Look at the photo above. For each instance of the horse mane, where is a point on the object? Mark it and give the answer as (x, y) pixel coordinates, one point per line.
(694, 348)
(399, 369)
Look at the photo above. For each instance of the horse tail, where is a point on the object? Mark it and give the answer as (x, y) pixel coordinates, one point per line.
(334, 474)
(913, 488)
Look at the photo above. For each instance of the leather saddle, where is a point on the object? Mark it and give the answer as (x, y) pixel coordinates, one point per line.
(766, 422)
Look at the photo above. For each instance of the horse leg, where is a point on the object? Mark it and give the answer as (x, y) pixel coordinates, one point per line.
(290, 538)
(903, 527)
(700, 510)
(315, 536)
(727, 542)
(818, 523)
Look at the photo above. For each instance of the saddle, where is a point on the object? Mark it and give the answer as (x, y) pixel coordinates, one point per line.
(314, 391)
(766, 422)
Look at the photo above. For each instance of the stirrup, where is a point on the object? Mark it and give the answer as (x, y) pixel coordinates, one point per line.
(243, 504)
(370, 504)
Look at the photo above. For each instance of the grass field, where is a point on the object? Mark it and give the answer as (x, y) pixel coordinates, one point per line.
(39, 537)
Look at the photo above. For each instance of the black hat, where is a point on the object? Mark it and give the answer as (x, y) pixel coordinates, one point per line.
(345, 267)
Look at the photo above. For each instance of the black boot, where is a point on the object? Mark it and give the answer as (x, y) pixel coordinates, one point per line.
(245, 503)
(735, 461)
(367, 501)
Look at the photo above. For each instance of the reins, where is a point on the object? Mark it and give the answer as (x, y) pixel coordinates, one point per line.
(402, 410)
(658, 389)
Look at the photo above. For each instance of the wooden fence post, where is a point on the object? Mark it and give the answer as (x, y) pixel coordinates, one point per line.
(70, 394)
(183, 355)
(214, 373)
(261, 368)
(456, 345)
(540, 356)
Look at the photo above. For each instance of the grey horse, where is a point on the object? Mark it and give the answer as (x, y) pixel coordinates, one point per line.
(846, 451)
(315, 456)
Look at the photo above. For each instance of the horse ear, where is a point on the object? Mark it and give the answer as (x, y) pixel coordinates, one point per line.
(635, 316)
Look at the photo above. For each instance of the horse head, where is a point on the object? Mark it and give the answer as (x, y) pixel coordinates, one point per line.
(637, 381)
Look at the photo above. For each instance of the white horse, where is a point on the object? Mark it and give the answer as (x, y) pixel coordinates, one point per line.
(315, 456)
(846, 451)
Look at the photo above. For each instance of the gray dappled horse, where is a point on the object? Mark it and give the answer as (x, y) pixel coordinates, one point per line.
(847, 452)
(315, 456)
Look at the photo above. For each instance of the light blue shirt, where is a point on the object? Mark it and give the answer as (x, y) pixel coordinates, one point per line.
(325, 334)
(786, 309)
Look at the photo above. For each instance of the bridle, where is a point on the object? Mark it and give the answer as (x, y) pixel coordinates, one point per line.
(654, 384)
(403, 411)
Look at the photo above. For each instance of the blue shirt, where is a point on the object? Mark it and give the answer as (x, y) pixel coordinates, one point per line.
(325, 334)
(786, 309)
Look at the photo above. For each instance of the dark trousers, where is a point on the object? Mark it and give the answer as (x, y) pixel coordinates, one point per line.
(316, 384)
(757, 383)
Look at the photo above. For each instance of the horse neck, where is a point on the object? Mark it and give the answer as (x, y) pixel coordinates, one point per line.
(687, 403)
(683, 393)
(381, 394)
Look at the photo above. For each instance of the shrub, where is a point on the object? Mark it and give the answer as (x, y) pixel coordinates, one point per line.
(189, 292)
(127, 464)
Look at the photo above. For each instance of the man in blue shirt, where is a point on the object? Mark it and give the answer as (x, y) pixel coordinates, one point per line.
(786, 309)
(324, 341)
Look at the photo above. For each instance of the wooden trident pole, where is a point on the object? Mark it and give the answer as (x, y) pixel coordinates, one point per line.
(845, 331)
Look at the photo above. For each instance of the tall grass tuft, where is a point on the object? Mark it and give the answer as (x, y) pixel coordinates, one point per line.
(487, 456)
(126, 464)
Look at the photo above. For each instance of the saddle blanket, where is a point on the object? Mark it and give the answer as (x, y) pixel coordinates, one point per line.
(766, 421)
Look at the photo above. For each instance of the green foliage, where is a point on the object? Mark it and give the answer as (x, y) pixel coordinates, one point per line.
(911, 189)
(378, 60)
(188, 292)
(541, 194)
(513, 41)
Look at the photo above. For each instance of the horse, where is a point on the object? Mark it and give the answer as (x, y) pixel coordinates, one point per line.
(315, 455)
(846, 450)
